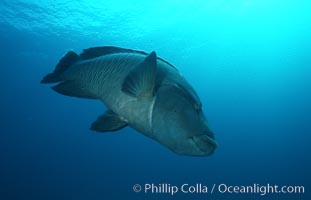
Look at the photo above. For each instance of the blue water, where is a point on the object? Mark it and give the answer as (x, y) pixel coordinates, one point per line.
(249, 61)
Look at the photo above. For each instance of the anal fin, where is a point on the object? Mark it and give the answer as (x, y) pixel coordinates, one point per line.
(108, 122)
(74, 89)
(67, 60)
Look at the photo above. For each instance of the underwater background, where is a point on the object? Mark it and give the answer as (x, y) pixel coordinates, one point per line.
(248, 60)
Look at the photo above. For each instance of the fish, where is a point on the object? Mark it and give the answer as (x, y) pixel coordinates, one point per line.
(139, 90)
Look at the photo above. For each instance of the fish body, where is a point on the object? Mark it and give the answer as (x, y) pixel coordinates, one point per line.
(140, 90)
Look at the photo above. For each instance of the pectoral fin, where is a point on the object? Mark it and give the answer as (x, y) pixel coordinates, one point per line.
(108, 122)
(140, 82)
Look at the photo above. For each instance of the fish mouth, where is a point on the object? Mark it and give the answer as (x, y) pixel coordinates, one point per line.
(204, 143)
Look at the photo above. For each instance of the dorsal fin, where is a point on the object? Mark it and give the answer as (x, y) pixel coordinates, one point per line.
(95, 52)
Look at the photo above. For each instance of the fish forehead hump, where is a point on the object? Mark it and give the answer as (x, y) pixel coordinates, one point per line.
(170, 76)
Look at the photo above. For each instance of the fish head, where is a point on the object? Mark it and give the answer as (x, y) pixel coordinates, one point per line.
(178, 122)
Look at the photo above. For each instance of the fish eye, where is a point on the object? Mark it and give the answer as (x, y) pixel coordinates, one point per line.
(197, 107)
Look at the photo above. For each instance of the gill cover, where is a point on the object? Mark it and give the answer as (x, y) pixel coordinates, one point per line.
(174, 112)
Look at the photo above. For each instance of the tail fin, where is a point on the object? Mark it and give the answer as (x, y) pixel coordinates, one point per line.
(64, 63)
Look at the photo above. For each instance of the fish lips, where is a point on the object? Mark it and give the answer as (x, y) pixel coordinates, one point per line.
(204, 143)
